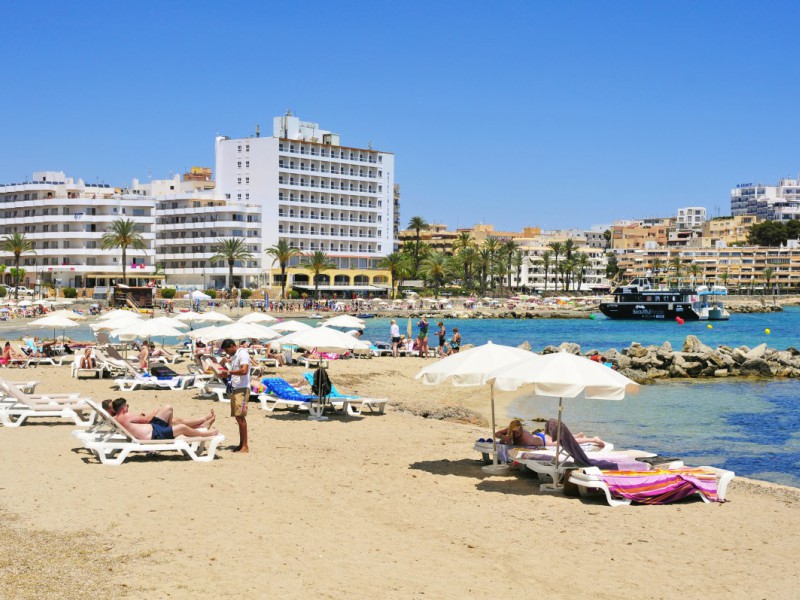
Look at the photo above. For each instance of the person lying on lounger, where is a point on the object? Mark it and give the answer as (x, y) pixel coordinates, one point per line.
(206, 422)
(516, 435)
(160, 425)
(156, 352)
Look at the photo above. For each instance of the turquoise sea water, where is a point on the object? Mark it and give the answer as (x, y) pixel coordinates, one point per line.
(752, 428)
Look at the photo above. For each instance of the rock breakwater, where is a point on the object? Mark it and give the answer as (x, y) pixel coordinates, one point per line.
(694, 360)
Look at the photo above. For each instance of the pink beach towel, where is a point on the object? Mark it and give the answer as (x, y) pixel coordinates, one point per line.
(663, 486)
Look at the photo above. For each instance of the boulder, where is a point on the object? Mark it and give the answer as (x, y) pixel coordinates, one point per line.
(694, 368)
(755, 366)
(525, 346)
(676, 371)
(621, 362)
(757, 352)
(643, 363)
(637, 351)
(653, 373)
(739, 356)
(714, 358)
(695, 346)
(549, 349)
(721, 373)
(666, 347)
(570, 347)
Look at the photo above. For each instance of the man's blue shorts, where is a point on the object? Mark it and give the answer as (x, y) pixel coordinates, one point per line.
(161, 430)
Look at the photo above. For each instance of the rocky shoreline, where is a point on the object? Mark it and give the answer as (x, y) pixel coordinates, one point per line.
(645, 364)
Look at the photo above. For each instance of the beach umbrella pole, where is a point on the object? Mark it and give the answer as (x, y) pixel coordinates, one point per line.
(556, 486)
(495, 467)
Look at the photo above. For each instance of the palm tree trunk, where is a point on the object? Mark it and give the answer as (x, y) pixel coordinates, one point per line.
(230, 276)
(124, 266)
(16, 276)
(283, 281)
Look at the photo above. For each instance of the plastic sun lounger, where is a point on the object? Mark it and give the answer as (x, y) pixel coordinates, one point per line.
(77, 372)
(352, 405)
(591, 481)
(18, 407)
(116, 443)
(129, 384)
(279, 391)
(26, 387)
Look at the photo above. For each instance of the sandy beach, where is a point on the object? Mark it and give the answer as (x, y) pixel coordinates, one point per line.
(392, 506)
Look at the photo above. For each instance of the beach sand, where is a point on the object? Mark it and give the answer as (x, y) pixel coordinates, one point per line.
(391, 506)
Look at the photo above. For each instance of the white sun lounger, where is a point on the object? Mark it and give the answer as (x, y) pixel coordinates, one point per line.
(27, 387)
(77, 372)
(17, 407)
(129, 384)
(113, 447)
(590, 483)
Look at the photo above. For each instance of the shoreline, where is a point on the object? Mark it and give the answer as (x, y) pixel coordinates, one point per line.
(391, 505)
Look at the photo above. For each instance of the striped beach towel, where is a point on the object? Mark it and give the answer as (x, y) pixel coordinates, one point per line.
(662, 486)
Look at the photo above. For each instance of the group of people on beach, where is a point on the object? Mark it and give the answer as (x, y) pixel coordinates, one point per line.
(420, 345)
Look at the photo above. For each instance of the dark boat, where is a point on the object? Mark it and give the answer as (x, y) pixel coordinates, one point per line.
(641, 299)
(365, 316)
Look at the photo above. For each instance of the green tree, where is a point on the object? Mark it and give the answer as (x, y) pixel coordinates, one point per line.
(229, 250)
(793, 229)
(437, 270)
(398, 266)
(518, 261)
(558, 249)
(483, 261)
(282, 252)
(695, 270)
(417, 224)
(768, 233)
(464, 249)
(508, 249)
(492, 245)
(582, 263)
(656, 266)
(768, 273)
(317, 262)
(676, 265)
(569, 250)
(547, 258)
(612, 267)
(123, 234)
(17, 244)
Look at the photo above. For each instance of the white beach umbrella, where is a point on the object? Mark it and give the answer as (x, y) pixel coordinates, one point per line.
(147, 328)
(119, 321)
(25, 303)
(189, 317)
(202, 332)
(324, 339)
(170, 322)
(289, 326)
(469, 368)
(113, 314)
(212, 317)
(70, 314)
(241, 331)
(258, 317)
(54, 322)
(197, 295)
(564, 375)
(345, 322)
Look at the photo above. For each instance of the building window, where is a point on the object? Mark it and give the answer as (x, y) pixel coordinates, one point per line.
(239, 164)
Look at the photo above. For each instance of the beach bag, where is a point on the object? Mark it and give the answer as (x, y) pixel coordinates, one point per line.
(321, 386)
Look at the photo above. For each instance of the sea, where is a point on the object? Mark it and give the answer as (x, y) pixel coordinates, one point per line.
(750, 427)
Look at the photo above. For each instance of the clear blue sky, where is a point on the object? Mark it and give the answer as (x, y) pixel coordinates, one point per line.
(556, 114)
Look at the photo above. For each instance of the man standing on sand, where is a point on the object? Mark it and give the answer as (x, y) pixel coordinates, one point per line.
(237, 366)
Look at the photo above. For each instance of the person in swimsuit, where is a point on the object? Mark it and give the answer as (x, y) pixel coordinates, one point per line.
(442, 333)
(516, 435)
(423, 337)
(159, 426)
(455, 343)
(87, 360)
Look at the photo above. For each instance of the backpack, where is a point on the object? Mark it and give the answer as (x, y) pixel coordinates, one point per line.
(321, 385)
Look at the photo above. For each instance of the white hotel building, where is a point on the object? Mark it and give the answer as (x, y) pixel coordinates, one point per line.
(66, 219)
(317, 195)
(191, 216)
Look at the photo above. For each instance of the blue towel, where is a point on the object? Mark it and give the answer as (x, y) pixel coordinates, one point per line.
(309, 376)
(283, 390)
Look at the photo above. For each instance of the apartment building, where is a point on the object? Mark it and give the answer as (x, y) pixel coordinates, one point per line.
(691, 217)
(190, 218)
(66, 219)
(316, 194)
(536, 275)
(767, 202)
(726, 231)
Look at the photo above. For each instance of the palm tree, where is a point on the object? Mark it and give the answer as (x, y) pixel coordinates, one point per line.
(569, 249)
(17, 244)
(656, 266)
(123, 234)
(509, 247)
(436, 269)
(518, 260)
(417, 224)
(557, 249)
(397, 265)
(462, 246)
(230, 250)
(695, 270)
(676, 265)
(492, 245)
(483, 261)
(724, 278)
(317, 262)
(768, 273)
(283, 252)
(582, 262)
(547, 256)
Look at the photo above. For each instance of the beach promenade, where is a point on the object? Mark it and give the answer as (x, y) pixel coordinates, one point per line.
(392, 506)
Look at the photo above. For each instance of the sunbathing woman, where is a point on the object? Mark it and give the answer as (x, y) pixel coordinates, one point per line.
(516, 435)
(87, 360)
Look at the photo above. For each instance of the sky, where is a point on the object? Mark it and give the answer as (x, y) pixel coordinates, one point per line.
(550, 114)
